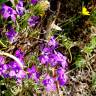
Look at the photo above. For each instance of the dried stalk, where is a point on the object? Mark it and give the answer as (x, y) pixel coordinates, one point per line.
(13, 57)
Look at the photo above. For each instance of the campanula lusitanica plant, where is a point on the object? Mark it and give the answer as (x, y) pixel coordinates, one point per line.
(47, 48)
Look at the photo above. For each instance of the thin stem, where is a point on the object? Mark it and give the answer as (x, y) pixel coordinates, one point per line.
(71, 70)
(3, 44)
(88, 62)
(70, 55)
(70, 21)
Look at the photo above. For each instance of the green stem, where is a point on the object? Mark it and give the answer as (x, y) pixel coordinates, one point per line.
(3, 44)
(70, 20)
(70, 55)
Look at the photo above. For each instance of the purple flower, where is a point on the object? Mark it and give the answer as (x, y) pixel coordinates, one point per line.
(2, 60)
(49, 56)
(52, 42)
(33, 21)
(60, 71)
(31, 70)
(3, 70)
(32, 73)
(19, 8)
(62, 60)
(19, 54)
(16, 71)
(7, 12)
(53, 59)
(21, 74)
(11, 34)
(5, 66)
(14, 66)
(12, 69)
(49, 84)
(44, 59)
(34, 2)
(19, 81)
(46, 51)
(62, 77)
(12, 73)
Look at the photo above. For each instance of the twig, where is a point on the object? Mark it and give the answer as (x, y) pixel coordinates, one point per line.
(13, 57)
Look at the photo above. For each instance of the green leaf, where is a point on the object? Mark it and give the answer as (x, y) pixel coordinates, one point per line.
(23, 22)
(93, 17)
(35, 86)
(3, 1)
(93, 41)
(80, 62)
(3, 42)
(66, 41)
(88, 49)
(90, 46)
(7, 93)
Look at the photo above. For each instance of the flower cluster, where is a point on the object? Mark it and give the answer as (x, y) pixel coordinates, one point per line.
(50, 57)
(9, 13)
(13, 70)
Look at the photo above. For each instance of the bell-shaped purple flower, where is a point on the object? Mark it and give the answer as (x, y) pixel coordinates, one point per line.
(62, 60)
(21, 74)
(61, 76)
(33, 21)
(49, 84)
(62, 79)
(19, 54)
(47, 51)
(14, 66)
(12, 73)
(7, 12)
(53, 59)
(34, 2)
(52, 42)
(19, 8)
(3, 70)
(44, 59)
(16, 71)
(2, 60)
(33, 73)
(11, 34)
